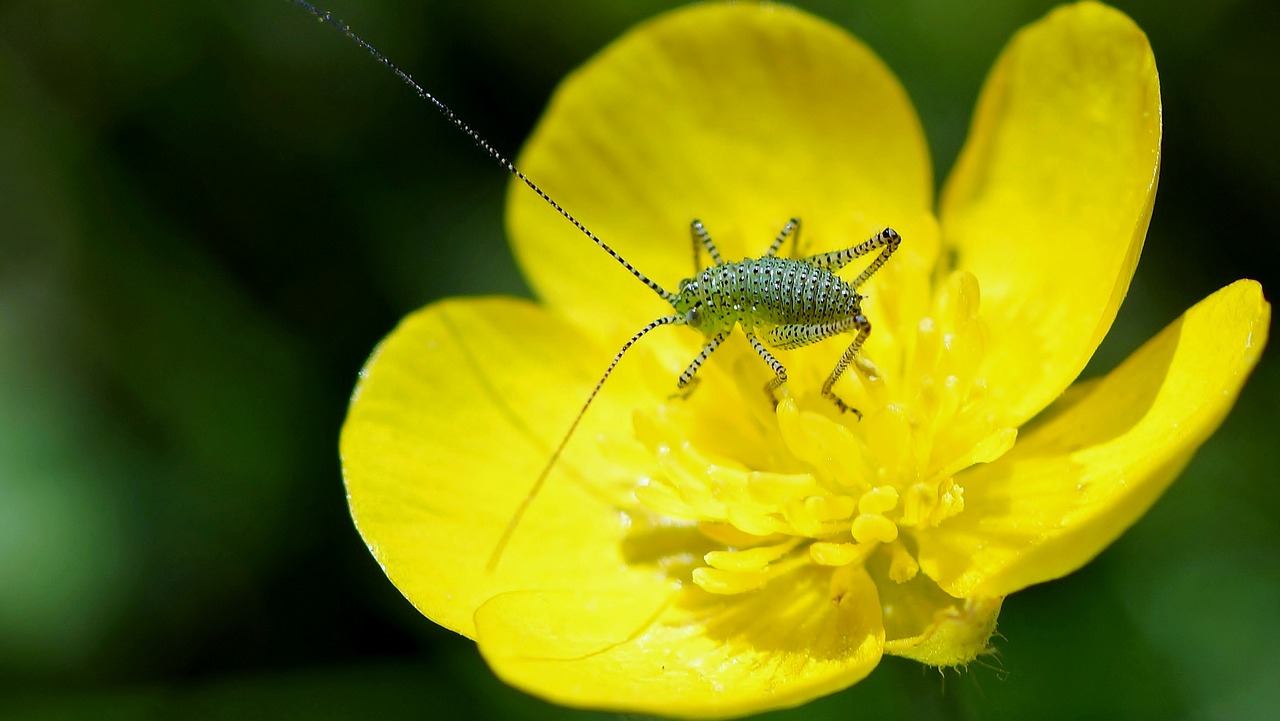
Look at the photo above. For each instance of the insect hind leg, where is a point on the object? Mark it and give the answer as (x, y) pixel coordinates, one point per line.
(864, 329)
(799, 335)
(886, 241)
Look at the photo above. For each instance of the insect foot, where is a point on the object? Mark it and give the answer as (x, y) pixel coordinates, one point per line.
(844, 407)
(685, 389)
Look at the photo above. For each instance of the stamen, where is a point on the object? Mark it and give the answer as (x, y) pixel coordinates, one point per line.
(878, 500)
(839, 554)
(926, 505)
(837, 454)
(874, 528)
(715, 580)
(751, 559)
(819, 516)
(902, 565)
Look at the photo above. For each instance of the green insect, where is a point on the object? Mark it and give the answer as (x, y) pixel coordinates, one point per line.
(778, 302)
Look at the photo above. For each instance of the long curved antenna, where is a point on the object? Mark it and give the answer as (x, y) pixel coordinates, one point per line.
(328, 18)
(505, 538)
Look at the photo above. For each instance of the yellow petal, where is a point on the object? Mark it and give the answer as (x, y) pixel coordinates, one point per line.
(741, 115)
(698, 656)
(1077, 480)
(1050, 199)
(457, 413)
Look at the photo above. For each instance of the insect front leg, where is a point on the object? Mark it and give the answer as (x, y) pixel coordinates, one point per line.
(689, 378)
(864, 329)
(886, 240)
(779, 371)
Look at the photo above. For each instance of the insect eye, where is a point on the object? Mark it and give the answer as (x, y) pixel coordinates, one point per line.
(693, 317)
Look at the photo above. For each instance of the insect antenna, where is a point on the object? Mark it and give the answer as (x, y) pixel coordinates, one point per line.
(492, 152)
(496, 556)
(328, 18)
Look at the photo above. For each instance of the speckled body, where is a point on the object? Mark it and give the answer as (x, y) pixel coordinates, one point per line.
(771, 296)
(778, 302)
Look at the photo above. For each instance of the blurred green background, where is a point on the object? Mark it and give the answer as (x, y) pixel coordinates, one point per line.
(211, 212)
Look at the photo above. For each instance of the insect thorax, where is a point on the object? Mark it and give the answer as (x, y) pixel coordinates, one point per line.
(761, 293)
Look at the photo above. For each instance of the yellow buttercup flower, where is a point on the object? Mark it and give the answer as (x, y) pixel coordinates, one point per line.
(716, 556)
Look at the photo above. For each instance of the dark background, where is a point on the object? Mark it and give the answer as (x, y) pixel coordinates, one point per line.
(211, 212)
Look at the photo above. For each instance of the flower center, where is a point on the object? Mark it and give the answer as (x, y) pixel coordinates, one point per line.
(829, 489)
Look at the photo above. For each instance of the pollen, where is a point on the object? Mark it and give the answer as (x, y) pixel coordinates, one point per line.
(833, 491)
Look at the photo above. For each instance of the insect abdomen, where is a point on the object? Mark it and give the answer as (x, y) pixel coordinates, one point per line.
(771, 291)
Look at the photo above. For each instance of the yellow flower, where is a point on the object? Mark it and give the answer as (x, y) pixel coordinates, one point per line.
(715, 556)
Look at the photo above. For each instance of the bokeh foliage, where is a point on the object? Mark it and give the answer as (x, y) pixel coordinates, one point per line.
(211, 212)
